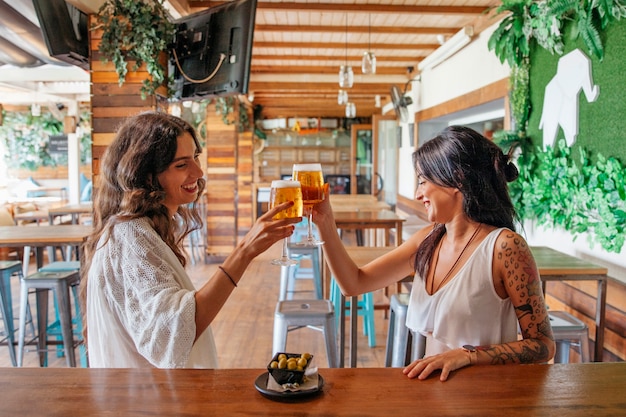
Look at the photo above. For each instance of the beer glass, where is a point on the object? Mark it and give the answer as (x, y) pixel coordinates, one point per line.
(311, 180)
(283, 191)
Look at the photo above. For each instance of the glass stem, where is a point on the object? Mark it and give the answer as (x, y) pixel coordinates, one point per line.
(310, 227)
(285, 241)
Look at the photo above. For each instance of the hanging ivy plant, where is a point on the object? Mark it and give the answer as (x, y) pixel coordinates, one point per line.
(136, 31)
(225, 107)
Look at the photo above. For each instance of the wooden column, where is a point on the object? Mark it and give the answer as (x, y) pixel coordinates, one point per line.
(110, 103)
(229, 185)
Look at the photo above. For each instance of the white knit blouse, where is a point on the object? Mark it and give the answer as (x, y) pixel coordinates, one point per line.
(141, 306)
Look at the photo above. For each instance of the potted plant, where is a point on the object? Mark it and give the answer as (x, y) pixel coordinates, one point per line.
(138, 31)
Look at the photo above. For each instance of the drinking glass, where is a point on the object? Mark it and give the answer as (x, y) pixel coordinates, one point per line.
(311, 180)
(281, 192)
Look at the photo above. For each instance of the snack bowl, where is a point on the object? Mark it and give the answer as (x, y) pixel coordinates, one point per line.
(279, 368)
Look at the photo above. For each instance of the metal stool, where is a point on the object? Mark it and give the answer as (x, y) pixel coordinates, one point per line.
(569, 330)
(315, 314)
(365, 309)
(299, 253)
(41, 282)
(8, 270)
(403, 345)
(54, 329)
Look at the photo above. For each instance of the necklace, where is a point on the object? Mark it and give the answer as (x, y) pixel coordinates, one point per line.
(458, 259)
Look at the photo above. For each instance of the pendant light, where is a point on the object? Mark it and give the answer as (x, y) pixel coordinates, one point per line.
(350, 110)
(346, 75)
(368, 63)
(342, 97)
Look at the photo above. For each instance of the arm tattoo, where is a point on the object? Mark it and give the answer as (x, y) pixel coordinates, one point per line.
(523, 284)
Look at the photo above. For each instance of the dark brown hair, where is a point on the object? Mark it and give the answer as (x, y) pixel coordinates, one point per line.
(460, 157)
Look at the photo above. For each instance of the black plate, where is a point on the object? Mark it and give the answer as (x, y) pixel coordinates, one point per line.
(261, 385)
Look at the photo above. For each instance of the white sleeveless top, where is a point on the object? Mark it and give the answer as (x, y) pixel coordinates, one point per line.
(467, 310)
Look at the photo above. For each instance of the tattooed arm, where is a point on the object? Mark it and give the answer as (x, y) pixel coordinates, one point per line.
(516, 276)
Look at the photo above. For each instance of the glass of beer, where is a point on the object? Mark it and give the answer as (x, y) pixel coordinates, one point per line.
(311, 180)
(283, 191)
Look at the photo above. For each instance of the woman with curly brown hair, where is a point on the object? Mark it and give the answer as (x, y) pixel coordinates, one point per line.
(141, 308)
(476, 281)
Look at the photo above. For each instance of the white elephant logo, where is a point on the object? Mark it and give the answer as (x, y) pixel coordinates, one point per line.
(560, 102)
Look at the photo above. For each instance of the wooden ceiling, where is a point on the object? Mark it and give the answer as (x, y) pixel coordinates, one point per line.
(299, 46)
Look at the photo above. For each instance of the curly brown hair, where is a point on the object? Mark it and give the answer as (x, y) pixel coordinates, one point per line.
(128, 188)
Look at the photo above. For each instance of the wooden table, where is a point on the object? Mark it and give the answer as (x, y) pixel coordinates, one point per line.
(357, 202)
(592, 389)
(29, 216)
(557, 266)
(362, 220)
(73, 210)
(42, 236)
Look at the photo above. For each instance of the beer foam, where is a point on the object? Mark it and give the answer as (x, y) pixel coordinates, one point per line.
(285, 184)
(307, 167)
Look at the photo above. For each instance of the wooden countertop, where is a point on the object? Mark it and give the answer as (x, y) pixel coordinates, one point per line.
(592, 389)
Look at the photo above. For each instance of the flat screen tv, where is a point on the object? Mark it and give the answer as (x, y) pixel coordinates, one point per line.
(65, 31)
(212, 51)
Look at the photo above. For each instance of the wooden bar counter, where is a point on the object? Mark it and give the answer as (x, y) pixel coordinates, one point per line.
(591, 389)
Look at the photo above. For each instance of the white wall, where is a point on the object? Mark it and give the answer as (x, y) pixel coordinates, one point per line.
(469, 69)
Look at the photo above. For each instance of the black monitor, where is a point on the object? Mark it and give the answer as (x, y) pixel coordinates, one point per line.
(65, 30)
(212, 51)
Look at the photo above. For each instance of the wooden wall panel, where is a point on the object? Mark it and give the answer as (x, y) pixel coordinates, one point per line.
(229, 185)
(222, 190)
(244, 183)
(110, 102)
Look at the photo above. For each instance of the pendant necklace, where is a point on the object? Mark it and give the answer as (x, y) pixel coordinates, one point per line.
(445, 278)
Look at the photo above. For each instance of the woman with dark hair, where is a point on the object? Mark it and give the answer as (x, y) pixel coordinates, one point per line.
(476, 281)
(140, 307)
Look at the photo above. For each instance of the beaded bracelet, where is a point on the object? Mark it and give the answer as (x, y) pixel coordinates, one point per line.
(228, 275)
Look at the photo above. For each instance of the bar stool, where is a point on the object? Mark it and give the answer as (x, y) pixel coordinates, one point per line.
(569, 330)
(54, 329)
(365, 308)
(41, 282)
(300, 253)
(315, 314)
(403, 345)
(8, 269)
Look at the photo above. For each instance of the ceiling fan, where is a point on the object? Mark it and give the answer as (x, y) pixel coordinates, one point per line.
(401, 102)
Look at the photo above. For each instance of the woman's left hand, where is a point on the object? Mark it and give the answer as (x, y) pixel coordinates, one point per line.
(447, 362)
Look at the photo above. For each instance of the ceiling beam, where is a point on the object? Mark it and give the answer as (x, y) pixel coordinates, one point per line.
(381, 59)
(311, 69)
(342, 45)
(351, 8)
(408, 30)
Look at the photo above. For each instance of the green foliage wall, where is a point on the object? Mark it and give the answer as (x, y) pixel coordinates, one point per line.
(602, 124)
